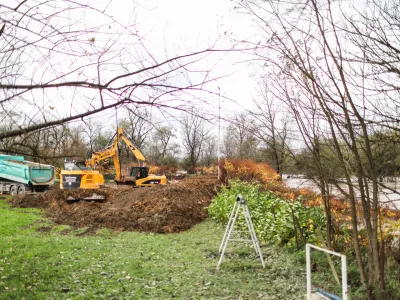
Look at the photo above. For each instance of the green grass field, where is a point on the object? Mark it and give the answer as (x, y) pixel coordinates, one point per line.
(40, 260)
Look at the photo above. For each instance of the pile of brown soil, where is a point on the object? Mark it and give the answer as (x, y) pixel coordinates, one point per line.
(169, 208)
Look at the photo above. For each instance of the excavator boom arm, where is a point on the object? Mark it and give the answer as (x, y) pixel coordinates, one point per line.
(112, 152)
(136, 152)
(101, 155)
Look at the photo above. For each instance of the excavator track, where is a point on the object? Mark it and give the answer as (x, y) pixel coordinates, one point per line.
(95, 197)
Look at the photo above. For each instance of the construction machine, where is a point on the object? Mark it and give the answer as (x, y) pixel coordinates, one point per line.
(76, 175)
(20, 176)
(139, 175)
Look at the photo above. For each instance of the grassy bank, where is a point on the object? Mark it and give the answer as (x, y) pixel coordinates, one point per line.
(39, 260)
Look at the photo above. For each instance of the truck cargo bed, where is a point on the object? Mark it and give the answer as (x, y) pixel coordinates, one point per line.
(14, 170)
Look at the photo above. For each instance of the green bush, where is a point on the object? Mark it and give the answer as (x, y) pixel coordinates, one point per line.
(274, 218)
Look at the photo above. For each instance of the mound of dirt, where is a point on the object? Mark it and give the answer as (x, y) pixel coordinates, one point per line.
(163, 208)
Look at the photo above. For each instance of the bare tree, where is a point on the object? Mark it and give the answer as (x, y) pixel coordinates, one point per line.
(242, 136)
(163, 148)
(228, 144)
(375, 31)
(164, 136)
(271, 127)
(307, 42)
(238, 140)
(92, 130)
(51, 145)
(55, 67)
(209, 153)
(195, 134)
(137, 125)
(318, 160)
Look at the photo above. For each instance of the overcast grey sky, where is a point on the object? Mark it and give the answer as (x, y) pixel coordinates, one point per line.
(174, 27)
(193, 25)
(166, 28)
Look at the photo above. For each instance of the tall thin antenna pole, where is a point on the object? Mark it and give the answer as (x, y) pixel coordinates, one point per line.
(219, 132)
(116, 122)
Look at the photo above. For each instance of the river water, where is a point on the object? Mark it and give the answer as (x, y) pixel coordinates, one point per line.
(386, 197)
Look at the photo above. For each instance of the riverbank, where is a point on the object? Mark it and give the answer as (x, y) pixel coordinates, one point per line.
(387, 197)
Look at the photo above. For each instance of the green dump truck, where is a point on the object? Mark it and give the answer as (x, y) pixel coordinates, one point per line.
(19, 176)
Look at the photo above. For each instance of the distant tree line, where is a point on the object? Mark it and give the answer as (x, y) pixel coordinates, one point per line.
(188, 143)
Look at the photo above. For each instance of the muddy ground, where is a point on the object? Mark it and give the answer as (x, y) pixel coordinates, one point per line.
(170, 208)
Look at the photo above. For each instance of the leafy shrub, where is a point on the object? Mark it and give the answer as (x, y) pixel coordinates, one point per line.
(275, 220)
(248, 170)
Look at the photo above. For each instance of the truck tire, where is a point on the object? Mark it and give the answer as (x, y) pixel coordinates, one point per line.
(13, 190)
(21, 190)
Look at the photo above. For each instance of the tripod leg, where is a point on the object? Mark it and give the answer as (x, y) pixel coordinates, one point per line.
(227, 227)
(248, 222)
(228, 237)
(253, 234)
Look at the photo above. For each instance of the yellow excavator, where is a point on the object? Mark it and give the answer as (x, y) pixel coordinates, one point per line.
(139, 175)
(76, 175)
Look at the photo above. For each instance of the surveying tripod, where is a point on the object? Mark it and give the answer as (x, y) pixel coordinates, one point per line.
(240, 205)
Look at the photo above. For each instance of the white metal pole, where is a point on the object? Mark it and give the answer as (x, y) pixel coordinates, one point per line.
(344, 277)
(219, 132)
(308, 266)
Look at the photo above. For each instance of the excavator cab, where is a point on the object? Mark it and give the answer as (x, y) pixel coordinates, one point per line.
(76, 175)
(75, 165)
(143, 178)
(139, 172)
